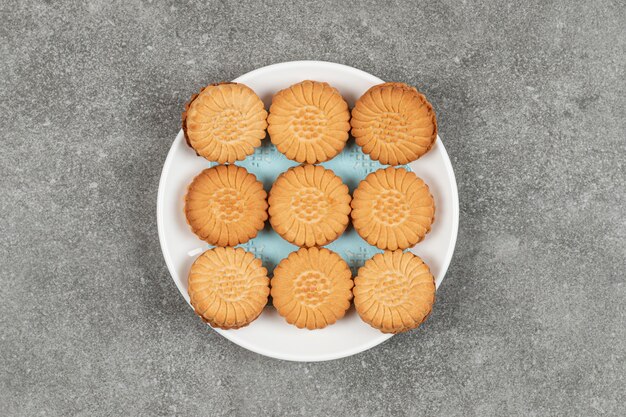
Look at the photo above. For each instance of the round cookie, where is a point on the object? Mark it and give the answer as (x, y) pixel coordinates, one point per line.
(225, 205)
(394, 123)
(308, 122)
(309, 206)
(392, 209)
(311, 288)
(228, 287)
(394, 291)
(224, 122)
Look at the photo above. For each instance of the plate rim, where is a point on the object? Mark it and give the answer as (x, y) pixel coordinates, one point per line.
(231, 336)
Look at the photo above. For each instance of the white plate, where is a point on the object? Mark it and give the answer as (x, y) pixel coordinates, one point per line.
(270, 335)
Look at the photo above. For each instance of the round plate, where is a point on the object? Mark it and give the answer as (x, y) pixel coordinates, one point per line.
(270, 335)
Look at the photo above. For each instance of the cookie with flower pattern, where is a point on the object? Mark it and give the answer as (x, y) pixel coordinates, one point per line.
(309, 206)
(225, 122)
(394, 291)
(394, 123)
(228, 287)
(309, 122)
(226, 205)
(311, 288)
(392, 209)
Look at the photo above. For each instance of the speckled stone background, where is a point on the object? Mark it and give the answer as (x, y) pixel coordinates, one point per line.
(531, 99)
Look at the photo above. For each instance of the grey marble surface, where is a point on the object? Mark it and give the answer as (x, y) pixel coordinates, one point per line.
(530, 319)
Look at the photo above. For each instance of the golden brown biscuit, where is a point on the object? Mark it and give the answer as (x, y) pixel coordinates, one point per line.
(392, 209)
(394, 291)
(308, 122)
(224, 122)
(225, 205)
(394, 123)
(309, 206)
(311, 288)
(228, 287)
